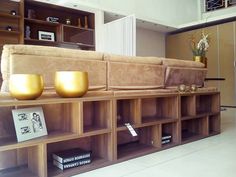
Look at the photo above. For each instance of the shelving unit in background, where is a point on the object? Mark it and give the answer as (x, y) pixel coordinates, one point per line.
(15, 22)
(79, 33)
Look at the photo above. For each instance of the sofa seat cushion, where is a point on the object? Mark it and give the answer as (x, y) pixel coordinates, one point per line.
(181, 63)
(133, 76)
(180, 75)
(132, 59)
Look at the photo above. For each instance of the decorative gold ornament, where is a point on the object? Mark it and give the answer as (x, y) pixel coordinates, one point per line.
(71, 83)
(26, 86)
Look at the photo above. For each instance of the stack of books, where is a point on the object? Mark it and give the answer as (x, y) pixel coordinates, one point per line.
(71, 158)
(166, 138)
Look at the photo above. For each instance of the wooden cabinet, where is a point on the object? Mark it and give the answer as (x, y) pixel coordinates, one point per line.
(11, 25)
(227, 57)
(97, 124)
(73, 28)
(220, 56)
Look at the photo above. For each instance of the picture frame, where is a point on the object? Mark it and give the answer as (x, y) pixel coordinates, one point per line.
(46, 36)
(29, 123)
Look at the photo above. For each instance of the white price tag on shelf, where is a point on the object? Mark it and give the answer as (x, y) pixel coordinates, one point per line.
(131, 129)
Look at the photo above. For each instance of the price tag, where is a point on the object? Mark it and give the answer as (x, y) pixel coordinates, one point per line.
(131, 129)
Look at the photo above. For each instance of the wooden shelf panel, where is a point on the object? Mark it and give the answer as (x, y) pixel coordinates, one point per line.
(158, 119)
(76, 27)
(11, 142)
(42, 42)
(17, 171)
(10, 32)
(52, 98)
(194, 117)
(97, 162)
(191, 137)
(5, 15)
(133, 149)
(42, 22)
(95, 131)
(121, 127)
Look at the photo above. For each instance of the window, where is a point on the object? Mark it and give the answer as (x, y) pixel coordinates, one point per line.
(211, 5)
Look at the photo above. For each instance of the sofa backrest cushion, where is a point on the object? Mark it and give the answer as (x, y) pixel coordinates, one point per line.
(184, 75)
(181, 63)
(132, 59)
(47, 60)
(128, 76)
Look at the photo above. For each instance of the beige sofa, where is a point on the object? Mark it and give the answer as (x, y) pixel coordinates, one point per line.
(106, 71)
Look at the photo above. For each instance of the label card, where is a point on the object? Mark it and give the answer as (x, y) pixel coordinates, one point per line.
(131, 129)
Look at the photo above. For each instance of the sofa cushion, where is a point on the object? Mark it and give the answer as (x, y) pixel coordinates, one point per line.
(181, 75)
(132, 59)
(181, 63)
(51, 51)
(47, 60)
(122, 76)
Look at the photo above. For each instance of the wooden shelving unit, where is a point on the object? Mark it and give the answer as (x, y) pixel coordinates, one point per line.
(96, 123)
(15, 22)
(73, 35)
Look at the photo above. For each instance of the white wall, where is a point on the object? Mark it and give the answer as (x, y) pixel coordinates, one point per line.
(167, 12)
(150, 43)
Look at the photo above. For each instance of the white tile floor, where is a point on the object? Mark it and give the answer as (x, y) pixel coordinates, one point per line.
(210, 157)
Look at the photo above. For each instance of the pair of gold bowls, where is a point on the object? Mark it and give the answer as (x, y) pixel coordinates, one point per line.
(67, 84)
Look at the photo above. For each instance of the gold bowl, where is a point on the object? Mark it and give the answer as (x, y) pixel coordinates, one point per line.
(26, 86)
(71, 83)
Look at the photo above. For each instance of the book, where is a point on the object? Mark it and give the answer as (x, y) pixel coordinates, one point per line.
(71, 155)
(166, 136)
(68, 165)
(166, 141)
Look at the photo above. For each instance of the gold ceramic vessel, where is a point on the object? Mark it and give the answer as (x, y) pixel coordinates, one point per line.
(26, 86)
(71, 83)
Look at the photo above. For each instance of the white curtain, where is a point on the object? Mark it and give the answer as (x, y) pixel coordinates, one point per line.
(120, 36)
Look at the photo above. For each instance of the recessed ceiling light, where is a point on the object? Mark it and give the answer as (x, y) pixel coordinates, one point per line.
(74, 5)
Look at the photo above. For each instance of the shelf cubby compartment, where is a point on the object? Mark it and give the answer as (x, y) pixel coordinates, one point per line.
(214, 124)
(59, 124)
(208, 103)
(36, 26)
(97, 115)
(169, 134)
(78, 35)
(187, 104)
(99, 145)
(159, 109)
(127, 111)
(145, 142)
(193, 129)
(26, 161)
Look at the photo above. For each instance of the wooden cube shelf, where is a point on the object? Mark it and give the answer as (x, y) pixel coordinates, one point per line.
(188, 107)
(127, 112)
(96, 115)
(159, 109)
(97, 124)
(194, 129)
(146, 141)
(169, 129)
(214, 124)
(28, 161)
(99, 145)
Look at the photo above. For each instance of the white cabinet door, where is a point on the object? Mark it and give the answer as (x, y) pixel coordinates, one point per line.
(120, 36)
